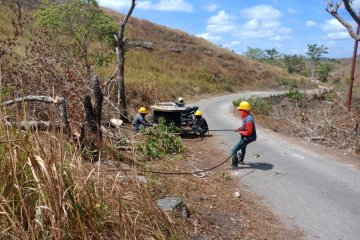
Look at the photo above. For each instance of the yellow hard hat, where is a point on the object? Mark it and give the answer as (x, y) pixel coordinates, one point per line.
(244, 106)
(198, 113)
(180, 100)
(143, 110)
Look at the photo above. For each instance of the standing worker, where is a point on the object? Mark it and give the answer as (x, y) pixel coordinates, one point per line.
(247, 132)
(139, 121)
(200, 125)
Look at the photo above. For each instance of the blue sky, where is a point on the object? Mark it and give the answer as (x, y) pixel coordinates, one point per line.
(287, 25)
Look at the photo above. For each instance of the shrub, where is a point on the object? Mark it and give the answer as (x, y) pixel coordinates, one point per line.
(160, 140)
(294, 93)
(305, 72)
(294, 63)
(284, 82)
(323, 71)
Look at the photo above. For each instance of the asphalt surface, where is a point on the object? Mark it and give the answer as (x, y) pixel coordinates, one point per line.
(320, 196)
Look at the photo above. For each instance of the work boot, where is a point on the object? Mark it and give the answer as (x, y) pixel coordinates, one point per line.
(231, 167)
(241, 161)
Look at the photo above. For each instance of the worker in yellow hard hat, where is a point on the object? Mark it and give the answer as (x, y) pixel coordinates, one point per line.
(200, 126)
(247, 132)
(139, 121)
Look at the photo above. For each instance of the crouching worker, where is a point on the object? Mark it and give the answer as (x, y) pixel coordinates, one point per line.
(200, 126)
(247, 132)
(139, 121)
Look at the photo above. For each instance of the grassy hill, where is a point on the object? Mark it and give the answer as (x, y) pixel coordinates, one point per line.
(161, 64)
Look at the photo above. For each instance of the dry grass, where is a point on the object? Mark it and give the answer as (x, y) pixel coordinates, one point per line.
(48, 191)
(322, 120)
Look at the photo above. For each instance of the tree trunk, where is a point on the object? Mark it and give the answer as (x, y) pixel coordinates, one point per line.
(91, 135)
(87, 64)
(121, 83)
(19, 18)
(120, 51)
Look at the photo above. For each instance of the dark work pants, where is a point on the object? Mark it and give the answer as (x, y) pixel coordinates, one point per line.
(199, 130)
(241, 145)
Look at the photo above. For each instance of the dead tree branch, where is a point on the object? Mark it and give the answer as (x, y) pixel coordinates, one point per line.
(333, 10)
(60, 101)
(34, 125)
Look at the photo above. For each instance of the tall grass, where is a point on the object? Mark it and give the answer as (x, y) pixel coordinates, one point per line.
(48, 192)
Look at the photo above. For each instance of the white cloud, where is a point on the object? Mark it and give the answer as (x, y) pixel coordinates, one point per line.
(310, 23)
(211, 7)
(115, 3)
(333, 25)
(258, 22)
(221, 23)
(208, 36)
(173, 5)
(335, 30)
(280, 38)
(263, 23)
(356, 4)
(294, 11)
(162, 5)
(261, 12)
(144, 5)
(338, 35)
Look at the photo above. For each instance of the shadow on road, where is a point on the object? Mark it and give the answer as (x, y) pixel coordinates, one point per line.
(257, 165)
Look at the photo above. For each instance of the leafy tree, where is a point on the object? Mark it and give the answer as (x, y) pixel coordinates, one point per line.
(323, 71)
(255, 54)
(294, 63)
(314, 53)
(272, 54)
(81, 21)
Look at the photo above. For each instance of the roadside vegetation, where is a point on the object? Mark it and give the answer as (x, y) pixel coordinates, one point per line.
(317, 116)
(48, 191)
(54, 187)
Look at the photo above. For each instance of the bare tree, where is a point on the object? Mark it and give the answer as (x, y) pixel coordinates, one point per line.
(120, 51)
(332, 8)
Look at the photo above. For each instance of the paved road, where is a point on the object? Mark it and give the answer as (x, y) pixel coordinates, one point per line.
(320, 196)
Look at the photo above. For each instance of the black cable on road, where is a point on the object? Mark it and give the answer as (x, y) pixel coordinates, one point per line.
(221, 130)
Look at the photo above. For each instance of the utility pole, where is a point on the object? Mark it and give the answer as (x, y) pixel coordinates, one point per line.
(352, 74)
